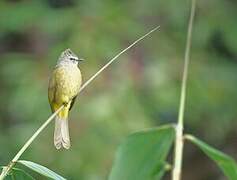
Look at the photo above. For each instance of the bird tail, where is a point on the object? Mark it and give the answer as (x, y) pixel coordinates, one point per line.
(61, 133)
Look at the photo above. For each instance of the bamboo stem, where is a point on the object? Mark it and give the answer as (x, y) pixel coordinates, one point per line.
(6, 169)
(178, 152)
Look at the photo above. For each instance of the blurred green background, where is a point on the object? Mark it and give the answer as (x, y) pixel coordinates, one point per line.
(140, 90)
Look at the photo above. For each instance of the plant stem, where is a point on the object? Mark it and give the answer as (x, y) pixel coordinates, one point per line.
(27, 144)
(115, 57)
(178, 152)
(6, 169)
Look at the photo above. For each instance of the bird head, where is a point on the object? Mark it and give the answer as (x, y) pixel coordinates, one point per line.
(69, 57)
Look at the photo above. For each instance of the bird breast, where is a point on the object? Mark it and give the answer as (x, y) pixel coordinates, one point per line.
(68, 82)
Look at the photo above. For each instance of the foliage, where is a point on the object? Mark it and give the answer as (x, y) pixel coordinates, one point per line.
(143, 155)
(41, 170)
(226, 163)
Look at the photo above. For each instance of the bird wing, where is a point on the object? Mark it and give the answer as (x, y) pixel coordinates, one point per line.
(51, 91)
(72, 103)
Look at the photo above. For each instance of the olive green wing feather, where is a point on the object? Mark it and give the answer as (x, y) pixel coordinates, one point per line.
(51, 91)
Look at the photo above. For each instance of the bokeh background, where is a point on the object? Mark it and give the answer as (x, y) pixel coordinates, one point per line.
(138, 91)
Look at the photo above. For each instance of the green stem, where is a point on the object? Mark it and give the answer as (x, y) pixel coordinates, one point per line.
(178, 152)
(27, 144)
(115, 57)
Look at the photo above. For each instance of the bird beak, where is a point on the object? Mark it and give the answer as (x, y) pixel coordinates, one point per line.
(80, 60)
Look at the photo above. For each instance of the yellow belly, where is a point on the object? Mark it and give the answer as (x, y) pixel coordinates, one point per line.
(63, 86)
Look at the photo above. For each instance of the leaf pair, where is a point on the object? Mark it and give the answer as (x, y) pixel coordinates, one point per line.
(143, 155)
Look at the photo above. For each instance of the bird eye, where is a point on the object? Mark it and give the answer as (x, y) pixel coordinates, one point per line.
(69, 52)
(72, 59)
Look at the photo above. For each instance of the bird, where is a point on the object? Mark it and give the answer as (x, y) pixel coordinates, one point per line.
(64, 85)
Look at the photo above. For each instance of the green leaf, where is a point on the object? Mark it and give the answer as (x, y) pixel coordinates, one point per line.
(41, 170)
(143, 154)
(226, 163)
(18, 174)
